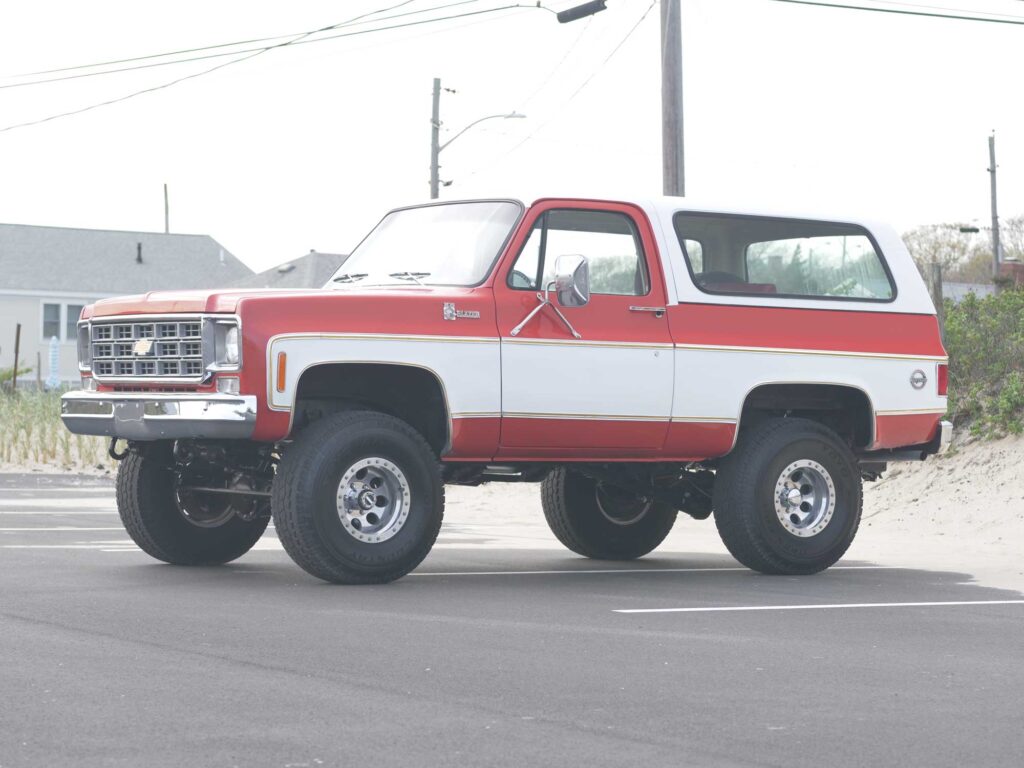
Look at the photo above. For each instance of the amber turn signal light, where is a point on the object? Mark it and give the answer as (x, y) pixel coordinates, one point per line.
(282, 370)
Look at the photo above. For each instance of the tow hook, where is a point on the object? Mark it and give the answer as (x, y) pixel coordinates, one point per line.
(112, 450)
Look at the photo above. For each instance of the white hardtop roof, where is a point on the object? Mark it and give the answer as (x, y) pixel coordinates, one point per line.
(911, 293)
(665, 204)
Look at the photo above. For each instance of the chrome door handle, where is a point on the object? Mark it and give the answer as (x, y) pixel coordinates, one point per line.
(658, 311)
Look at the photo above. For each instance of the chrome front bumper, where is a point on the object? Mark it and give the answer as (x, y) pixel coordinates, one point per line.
(157, 416)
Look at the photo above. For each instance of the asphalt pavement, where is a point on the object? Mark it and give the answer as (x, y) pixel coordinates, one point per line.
(492, 653)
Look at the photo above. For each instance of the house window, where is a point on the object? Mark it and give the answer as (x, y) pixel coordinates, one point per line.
(61, 320)
(51, 321)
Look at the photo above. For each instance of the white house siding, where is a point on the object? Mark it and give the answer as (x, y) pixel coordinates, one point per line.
(27, 309)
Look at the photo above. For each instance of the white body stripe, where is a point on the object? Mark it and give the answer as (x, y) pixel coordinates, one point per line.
(617, 382)
(469, 367)
(715, 382)
(580, 380)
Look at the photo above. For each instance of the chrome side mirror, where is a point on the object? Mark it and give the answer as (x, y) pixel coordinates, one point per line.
(572, 280)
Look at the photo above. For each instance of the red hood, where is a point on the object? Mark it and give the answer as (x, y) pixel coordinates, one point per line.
(227, 300)
(165, 302)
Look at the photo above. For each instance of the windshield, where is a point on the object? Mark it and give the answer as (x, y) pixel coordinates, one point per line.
(450, 244)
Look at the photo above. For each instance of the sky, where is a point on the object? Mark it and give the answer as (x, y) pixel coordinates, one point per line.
(307, 146)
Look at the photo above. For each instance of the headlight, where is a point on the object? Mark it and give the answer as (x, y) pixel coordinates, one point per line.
(228, 346)
(231, 354)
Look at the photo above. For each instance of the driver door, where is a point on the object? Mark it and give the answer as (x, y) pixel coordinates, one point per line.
(607, 393)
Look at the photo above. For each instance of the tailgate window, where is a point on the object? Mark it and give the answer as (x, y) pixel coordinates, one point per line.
(752, 255)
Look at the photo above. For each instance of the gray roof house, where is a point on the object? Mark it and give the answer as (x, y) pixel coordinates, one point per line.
(309, 271)
(47, 274)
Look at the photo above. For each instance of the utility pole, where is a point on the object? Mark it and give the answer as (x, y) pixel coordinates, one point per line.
(167, 213)
(672, 167)
(995, 211)
(435, 140)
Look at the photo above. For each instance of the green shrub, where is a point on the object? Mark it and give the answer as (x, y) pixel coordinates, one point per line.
(31, 432)
(7, 374)
(985, 341)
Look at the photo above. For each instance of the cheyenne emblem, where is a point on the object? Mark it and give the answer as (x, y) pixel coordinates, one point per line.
(451, 313)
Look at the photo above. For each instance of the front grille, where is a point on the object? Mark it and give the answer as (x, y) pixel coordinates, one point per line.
(152, 349)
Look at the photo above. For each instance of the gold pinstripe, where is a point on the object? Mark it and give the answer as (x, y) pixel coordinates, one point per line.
(828, 352)
(912, 412)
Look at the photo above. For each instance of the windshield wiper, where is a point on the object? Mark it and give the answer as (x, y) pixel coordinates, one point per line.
(413, 276)
(349, 277)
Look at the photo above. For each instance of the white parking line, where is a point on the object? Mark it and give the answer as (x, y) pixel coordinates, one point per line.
(63, 512)
(58, 528)
(633, 570)
(823, 606)
(48, 489)
(49, 502)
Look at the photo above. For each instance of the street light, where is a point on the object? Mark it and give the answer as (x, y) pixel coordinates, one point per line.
(436, 147)
(570, 14)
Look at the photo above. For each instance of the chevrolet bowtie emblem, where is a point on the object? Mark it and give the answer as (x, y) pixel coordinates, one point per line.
(142, 346)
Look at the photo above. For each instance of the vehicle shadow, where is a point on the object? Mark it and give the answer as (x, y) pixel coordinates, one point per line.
(545, 576)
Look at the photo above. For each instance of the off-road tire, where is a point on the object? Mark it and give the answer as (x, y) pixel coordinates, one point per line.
(150, 513)
(305, 498)
(744, 497)
(569, 500)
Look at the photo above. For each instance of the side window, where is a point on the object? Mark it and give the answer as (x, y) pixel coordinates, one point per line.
(608, 240)
(842, 265)
(750, 255)
(694, 253)
(51, 321)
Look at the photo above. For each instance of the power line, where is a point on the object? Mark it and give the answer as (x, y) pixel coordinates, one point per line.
(903, 12)
(547, 79)
(297, 41)
(217, 46)
(577, 92)
(947, 9)
(244, 50)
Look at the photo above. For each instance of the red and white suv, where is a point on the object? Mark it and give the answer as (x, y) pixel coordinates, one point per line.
(640, 358)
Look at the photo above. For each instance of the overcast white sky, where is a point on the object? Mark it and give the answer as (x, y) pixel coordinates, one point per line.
(306, 147)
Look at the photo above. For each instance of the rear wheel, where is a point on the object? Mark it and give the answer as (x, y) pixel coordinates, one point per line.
(787, 500)
(180, 526)
(602, 521)
(358, 498)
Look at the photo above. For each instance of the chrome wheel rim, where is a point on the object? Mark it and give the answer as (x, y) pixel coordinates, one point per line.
(805, 498)
(203, 512)
(373, 500)
(621, 507)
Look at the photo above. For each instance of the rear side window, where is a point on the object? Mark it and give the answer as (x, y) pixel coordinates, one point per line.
(750, 255)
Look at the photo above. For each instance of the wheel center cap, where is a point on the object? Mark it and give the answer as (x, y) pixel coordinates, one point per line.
(793, 497)
(367, 500)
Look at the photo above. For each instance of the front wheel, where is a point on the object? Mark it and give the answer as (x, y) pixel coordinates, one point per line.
(358, 498)
(788, 499)
(174, 525)
(602, 521)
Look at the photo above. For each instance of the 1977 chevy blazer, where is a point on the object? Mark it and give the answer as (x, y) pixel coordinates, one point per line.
(639, 359)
